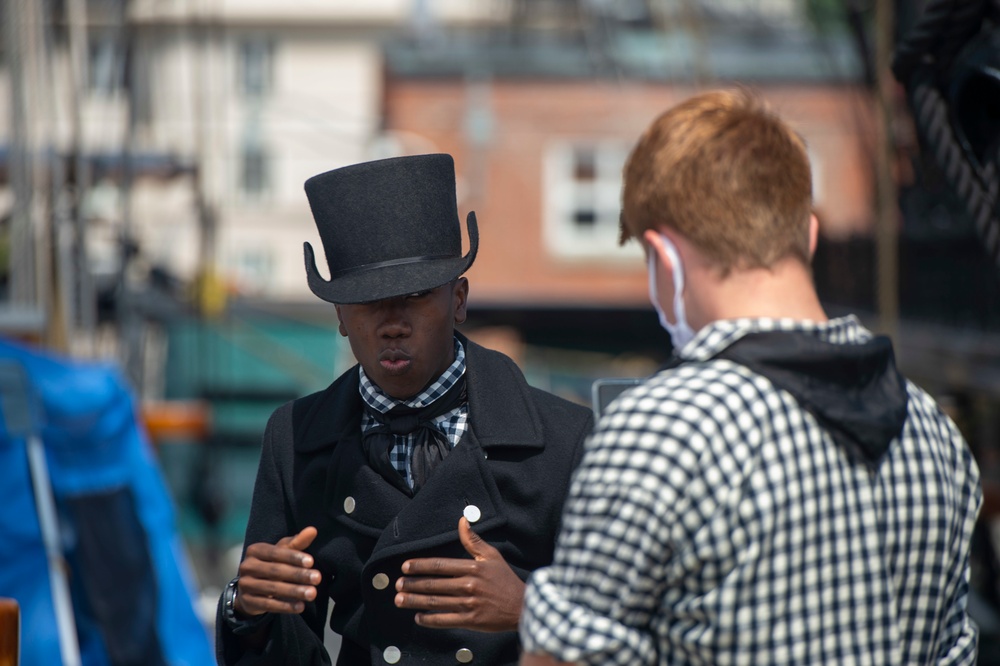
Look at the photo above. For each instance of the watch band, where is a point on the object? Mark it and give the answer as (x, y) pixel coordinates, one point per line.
(239, 626)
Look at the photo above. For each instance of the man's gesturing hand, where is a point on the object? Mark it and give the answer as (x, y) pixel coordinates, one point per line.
(278, 578)
(483, 593)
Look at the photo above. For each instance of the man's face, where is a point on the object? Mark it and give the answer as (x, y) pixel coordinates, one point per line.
(404, 343)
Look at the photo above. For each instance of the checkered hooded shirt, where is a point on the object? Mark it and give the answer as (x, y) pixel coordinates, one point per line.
(718, 518)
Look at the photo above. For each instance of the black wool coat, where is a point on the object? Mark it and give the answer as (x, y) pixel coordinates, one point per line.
(514, 463)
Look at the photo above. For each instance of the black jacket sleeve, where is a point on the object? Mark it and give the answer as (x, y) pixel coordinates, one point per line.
(292, 639)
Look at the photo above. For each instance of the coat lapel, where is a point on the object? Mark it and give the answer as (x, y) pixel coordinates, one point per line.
(430, 519)
(357, 496)
(501, 411)
(328, 429)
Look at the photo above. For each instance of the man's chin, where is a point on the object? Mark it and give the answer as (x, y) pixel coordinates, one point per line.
(395, 386)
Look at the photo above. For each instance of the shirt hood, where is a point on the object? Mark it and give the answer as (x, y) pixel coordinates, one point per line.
(849, 383)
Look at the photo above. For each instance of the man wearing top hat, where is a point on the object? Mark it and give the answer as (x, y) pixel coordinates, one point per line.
(418, 491)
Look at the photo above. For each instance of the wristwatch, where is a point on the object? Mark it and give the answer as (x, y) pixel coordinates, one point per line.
(239, 626)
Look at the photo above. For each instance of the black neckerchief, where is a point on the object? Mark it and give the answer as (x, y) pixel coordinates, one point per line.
(430, 445)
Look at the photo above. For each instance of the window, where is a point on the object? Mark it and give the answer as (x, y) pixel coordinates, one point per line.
(256, 56)
(105, 65)
(582, 199)
(251, 269)
(255, 171)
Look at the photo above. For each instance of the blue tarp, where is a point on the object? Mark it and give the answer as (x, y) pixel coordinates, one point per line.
(95, 448)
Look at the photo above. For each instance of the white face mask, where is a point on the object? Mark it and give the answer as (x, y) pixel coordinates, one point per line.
(681, 333)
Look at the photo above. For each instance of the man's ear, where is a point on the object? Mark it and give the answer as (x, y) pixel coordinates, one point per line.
(340, 322)
(654, 243)
(460, 293)
(813, 234)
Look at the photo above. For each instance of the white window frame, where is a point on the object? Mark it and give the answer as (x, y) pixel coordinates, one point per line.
(816, 171)
(564, 195)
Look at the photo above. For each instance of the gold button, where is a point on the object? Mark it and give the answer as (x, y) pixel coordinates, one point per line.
(472, 513)
(349, 505)
(464, 656)
(391, 654)
(380, 581)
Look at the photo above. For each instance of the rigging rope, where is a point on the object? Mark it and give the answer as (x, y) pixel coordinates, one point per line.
(924, 63)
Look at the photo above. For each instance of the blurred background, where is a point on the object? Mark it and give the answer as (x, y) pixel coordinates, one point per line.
(152, 156)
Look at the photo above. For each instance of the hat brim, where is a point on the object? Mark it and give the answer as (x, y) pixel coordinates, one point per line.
(381, 282)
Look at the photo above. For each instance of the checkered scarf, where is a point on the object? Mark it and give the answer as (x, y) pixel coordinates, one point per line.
(453, 424)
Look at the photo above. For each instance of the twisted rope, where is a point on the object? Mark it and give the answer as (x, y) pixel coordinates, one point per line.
(921, 63)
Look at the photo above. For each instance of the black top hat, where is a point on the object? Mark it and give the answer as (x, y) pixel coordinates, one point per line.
(389, 227)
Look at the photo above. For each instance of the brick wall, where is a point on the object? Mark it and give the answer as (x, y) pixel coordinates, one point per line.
(501, 168)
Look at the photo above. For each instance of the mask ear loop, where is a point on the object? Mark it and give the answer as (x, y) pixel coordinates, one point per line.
(653, 296)
(678, 270)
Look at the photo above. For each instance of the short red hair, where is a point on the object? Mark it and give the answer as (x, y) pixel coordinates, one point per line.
(725, 172)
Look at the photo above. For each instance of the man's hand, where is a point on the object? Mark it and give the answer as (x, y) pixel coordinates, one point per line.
(483, 594)
(277, 578)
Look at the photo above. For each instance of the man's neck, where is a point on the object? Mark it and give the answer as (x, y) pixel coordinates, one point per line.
(785, 291)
